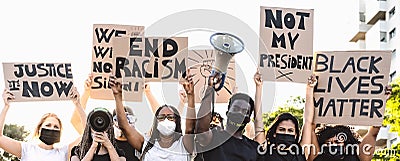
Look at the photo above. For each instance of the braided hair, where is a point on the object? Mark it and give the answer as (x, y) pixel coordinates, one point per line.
(87, 140)
(155, 134)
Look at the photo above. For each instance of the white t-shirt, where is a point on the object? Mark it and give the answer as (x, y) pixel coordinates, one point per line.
(32, 152)
(176, 152)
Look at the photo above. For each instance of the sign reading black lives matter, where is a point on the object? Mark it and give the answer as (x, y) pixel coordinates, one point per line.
(351, 87)
(286, 44)
(103, 57)
(38, 81)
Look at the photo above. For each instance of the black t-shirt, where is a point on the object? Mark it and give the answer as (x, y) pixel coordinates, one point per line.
(272, 154)
(225, 147)
(128, 149)
(104, 157)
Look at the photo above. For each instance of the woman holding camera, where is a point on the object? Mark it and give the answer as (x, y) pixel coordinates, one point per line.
(48, 132)
(165, 141)
(98, 142)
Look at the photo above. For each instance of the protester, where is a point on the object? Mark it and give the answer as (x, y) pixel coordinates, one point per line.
(339, 142)
(229, 144)
(130, 152)
(98, 145)
(122, 143)
(282, 141)
(47, 133)
(165, 142)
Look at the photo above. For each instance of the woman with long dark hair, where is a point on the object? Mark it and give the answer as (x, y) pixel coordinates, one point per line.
(98, 145)
(165, 140)
(283, 140)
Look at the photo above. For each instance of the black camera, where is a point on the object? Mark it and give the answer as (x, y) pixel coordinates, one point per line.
(100, 119)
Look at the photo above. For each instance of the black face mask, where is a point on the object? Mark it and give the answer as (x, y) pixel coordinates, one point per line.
(49, 137)
(237, 120)
(285, 139)
(331, 153)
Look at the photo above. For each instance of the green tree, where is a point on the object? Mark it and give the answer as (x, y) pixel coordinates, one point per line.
(295, 106)
(392, 111)
(15, 132)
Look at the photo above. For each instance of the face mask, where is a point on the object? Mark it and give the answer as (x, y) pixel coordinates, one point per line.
(118, 132)
(166, 127)
(237, 120)
(49, 137)
(285, 139)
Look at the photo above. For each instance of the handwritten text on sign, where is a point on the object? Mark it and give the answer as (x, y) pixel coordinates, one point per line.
(286, 44)
(38, 81)
(351, 86)
(103, 58)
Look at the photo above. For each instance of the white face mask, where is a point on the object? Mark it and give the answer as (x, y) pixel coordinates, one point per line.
(166, 127)
(117, 132)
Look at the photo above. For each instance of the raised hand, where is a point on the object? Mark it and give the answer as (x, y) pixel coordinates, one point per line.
(115, 85)
(7, 97)
(74, 95)
(388, 91)
(88, 82)
(188, 85)
(312, 81)
(258, 78)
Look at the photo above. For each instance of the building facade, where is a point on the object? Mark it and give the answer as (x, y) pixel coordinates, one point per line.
(379, 29)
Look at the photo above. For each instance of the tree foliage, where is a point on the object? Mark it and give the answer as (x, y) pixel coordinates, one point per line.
(392, 111)
(295, 106)
(15, 132)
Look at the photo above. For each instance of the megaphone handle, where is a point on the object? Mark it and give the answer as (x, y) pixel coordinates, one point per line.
(221, 84)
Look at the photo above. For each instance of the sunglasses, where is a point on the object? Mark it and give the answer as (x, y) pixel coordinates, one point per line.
(170, 117)
(131, 119)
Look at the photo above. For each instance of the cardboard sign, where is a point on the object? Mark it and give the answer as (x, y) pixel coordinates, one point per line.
(38, 81)
(165, 59)
(286, 44)
(200, 64)
(351, 87)
(103, 59)
(129, 67)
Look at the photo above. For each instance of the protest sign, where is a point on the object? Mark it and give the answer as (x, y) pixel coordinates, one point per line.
(103, 59)
(286, 44)
(351, 87)
(200, 63)
(38, 81)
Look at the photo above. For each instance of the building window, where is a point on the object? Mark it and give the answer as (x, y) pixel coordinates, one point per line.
(362, 17)
(392, 33)
(392, 12)
(383, 36)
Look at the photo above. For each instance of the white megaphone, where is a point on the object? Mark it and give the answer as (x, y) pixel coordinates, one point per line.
(227, 45)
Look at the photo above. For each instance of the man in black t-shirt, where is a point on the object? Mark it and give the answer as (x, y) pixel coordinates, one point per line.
(229, 144)
(130, 153)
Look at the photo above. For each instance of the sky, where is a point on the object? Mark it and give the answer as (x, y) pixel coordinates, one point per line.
(54, 31)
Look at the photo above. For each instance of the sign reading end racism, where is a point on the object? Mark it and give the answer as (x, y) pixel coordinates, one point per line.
(351, 87)
(286, 44)
(38, 81)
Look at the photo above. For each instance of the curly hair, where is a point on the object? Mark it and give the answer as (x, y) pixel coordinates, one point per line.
(326, 132)
(155, 134)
